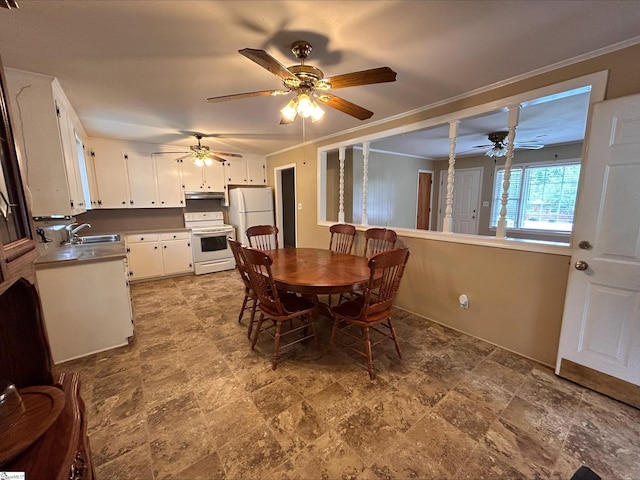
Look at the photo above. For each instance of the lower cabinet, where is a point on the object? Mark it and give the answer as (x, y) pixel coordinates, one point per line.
(92, 313)
(158, 254)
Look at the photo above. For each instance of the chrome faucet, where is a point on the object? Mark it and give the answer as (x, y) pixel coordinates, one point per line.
(72, 233)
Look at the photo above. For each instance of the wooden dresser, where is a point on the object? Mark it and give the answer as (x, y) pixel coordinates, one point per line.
(62, 452)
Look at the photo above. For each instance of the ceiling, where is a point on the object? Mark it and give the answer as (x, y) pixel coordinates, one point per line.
(141, 70)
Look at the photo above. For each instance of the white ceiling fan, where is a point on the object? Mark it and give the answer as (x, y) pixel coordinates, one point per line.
(202, 155)
(498, 145)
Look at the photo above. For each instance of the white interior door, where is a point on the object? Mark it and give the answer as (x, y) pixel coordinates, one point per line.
(466, 199)
(601, 322)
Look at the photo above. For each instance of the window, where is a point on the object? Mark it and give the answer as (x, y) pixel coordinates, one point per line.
(540, 197)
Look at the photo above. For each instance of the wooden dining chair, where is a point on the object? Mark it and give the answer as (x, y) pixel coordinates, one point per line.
(378, 240)
(342, 236)
(263, 237)
(278, 307)
(371, 313)
(250, 302)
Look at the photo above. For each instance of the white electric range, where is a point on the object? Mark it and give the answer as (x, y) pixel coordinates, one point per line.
(211, 252)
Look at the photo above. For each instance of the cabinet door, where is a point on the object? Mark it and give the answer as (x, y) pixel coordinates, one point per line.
(88, 174)
(236, 172)
(142, 180)
(144, 259)
(256, 172)
(71, 164)
(111, 176)
(214, 176)
(176, 255)
(192, 176)
(170, 192)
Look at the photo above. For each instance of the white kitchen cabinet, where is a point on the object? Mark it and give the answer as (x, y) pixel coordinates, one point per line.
(176, 252)
(142, 180)
(46, 127)
(208, 178)
(111, 174)
(156, 255)
(168, 175)
(144, 256)
(242, 171)
(88, 175)
(91, 313)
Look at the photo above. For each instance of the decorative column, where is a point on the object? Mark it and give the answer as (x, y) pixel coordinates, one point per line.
(365, 172)
(447, 223)
(341, 155)
(514, 113)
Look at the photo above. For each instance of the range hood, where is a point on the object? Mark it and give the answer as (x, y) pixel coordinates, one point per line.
(206, 195)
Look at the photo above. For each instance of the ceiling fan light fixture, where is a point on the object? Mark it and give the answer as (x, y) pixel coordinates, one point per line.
(496, 151)
(198, 161)
(290, 110)
(305, 105)
(317, 113)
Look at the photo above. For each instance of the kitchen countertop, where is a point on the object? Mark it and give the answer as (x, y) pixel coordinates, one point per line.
(66, 255)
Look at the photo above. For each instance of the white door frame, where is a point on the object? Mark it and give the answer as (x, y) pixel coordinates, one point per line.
(277, 175)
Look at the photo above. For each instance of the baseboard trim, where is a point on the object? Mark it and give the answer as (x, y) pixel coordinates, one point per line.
(601, 382)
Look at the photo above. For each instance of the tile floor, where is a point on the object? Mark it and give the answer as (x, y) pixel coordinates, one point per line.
(188, 399)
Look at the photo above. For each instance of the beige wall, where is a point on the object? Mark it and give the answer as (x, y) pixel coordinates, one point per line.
(516, 298)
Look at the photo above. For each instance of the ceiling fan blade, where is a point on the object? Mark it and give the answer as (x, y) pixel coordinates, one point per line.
(235, 155)
(236, 96)
(530, 146)
(215, 157)
(345, 106)
(365, 77)
(265, 60)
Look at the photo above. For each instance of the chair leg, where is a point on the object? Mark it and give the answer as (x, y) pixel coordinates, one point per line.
(258, 327)
(276, 346)
(312, 321)
(367, 344)
(395, 339)
(253, 316)
(244, 306)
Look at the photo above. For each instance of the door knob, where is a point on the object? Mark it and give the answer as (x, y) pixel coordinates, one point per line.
(584, 245)
(581, 265)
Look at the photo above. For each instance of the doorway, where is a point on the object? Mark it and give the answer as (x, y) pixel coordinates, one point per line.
(466, 199)
(286, 212)
(425, 182)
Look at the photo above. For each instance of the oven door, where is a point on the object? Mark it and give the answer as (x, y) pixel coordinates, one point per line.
(210, 246)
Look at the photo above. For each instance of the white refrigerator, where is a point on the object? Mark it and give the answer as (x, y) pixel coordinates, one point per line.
(249, 207)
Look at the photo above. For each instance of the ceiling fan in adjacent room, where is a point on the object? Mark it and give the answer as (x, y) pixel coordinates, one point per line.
(310, 85)
(202, 155)
(498, 145)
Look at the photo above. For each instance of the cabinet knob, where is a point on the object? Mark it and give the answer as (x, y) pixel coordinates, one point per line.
(153, 203)
(124, 203)
(165, 246)
(131, 202)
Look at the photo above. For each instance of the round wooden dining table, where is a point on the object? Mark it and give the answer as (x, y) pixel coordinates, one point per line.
(318, 271)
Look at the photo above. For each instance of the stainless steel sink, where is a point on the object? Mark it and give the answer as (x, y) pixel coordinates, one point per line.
(87, 239)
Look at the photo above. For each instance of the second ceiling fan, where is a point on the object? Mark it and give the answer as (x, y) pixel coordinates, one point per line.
(310, 85)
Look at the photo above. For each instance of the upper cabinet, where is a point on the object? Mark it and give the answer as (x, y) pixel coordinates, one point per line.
(168, 175)
(249, 171)
(17, 245)
(49, 136)
(111, 174)
(207, 178)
